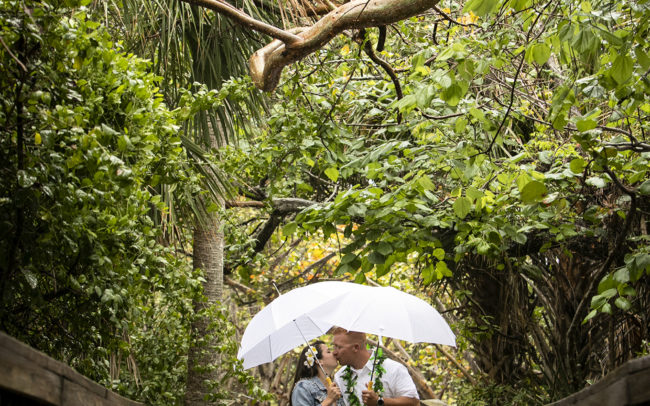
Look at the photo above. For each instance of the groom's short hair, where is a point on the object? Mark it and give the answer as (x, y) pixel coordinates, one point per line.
(354, 336)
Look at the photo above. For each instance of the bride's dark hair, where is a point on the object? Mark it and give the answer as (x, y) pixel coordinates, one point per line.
(305, 371)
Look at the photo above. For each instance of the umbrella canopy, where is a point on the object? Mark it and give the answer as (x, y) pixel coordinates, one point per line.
(386, 312)
(285, 323)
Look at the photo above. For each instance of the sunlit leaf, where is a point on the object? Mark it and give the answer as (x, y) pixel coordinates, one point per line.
(533, 191)
(541, 53)
(462, 206)
(622, 68)
(481, 7)
(332, 173)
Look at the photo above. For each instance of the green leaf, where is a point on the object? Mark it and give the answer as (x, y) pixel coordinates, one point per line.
(609, 293)
(462, 206)
(586, 124)
(25, 180)
(384, 248)
(427, 275)
(376, 258)
(596, 181)
(546, 157)
(644, 189)
(585, 42)
(441, 268)
(439, 253)
(621, 276)
(621, 70)
(357, 210)
(425, 95)
(590, 316)
(519, 5)
(473, 193)
(32, 280)
(642, 58)
(541, 53)
(342, 269)
(483, 247)
(481, 7)
(560, 120)
(452, 95)
(460, 125)
(477, 114)
(406, 103)
(426, 183)
(328, 229)
(347, 258)
(381, 270)
(606, 283)
(607, 308)
(533, 191)
(622, 303)
(577, 165)
(332, 173)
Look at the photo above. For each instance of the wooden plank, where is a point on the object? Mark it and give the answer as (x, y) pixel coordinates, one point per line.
(21, 376)
(638, 387)
(116, 400)
(42, 360)
(627, 385)
(78, 395)
(26, 371)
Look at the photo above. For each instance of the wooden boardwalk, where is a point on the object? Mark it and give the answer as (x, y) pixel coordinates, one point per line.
(29, 377)
(628, 385)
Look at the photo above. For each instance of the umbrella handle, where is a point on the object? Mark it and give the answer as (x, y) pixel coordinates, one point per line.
(374, 362)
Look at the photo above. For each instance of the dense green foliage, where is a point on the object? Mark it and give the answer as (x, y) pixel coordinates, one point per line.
(510, 166)
(84, 134)
(503, 170)
(87, 142)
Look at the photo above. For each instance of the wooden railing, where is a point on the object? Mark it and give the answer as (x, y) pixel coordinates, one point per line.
(628, 385)
(29, 377)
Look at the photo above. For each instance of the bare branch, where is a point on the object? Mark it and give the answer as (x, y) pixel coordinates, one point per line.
(451, 20)
(630, 146)
(280, 206)
(249, 203)
(267, 63)
(12, 55)
(244, 19)
(367, 48)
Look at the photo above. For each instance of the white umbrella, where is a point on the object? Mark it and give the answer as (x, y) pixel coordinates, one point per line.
(387, 312)
(285, 323)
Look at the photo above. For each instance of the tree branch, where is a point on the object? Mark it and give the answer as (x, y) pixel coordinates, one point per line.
(367, 48)
(281, 207)
(249, 203)
(451, 20)
(244, 19)
(267, 63)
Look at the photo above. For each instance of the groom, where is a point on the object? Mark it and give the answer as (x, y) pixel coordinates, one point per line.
(350, 351)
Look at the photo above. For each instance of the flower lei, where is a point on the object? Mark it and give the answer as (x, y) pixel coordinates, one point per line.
(350, 380)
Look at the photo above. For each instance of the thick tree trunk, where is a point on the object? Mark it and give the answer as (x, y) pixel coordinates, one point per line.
(202, 358)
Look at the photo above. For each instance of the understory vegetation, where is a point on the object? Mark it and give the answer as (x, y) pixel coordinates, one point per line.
(489, 156)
